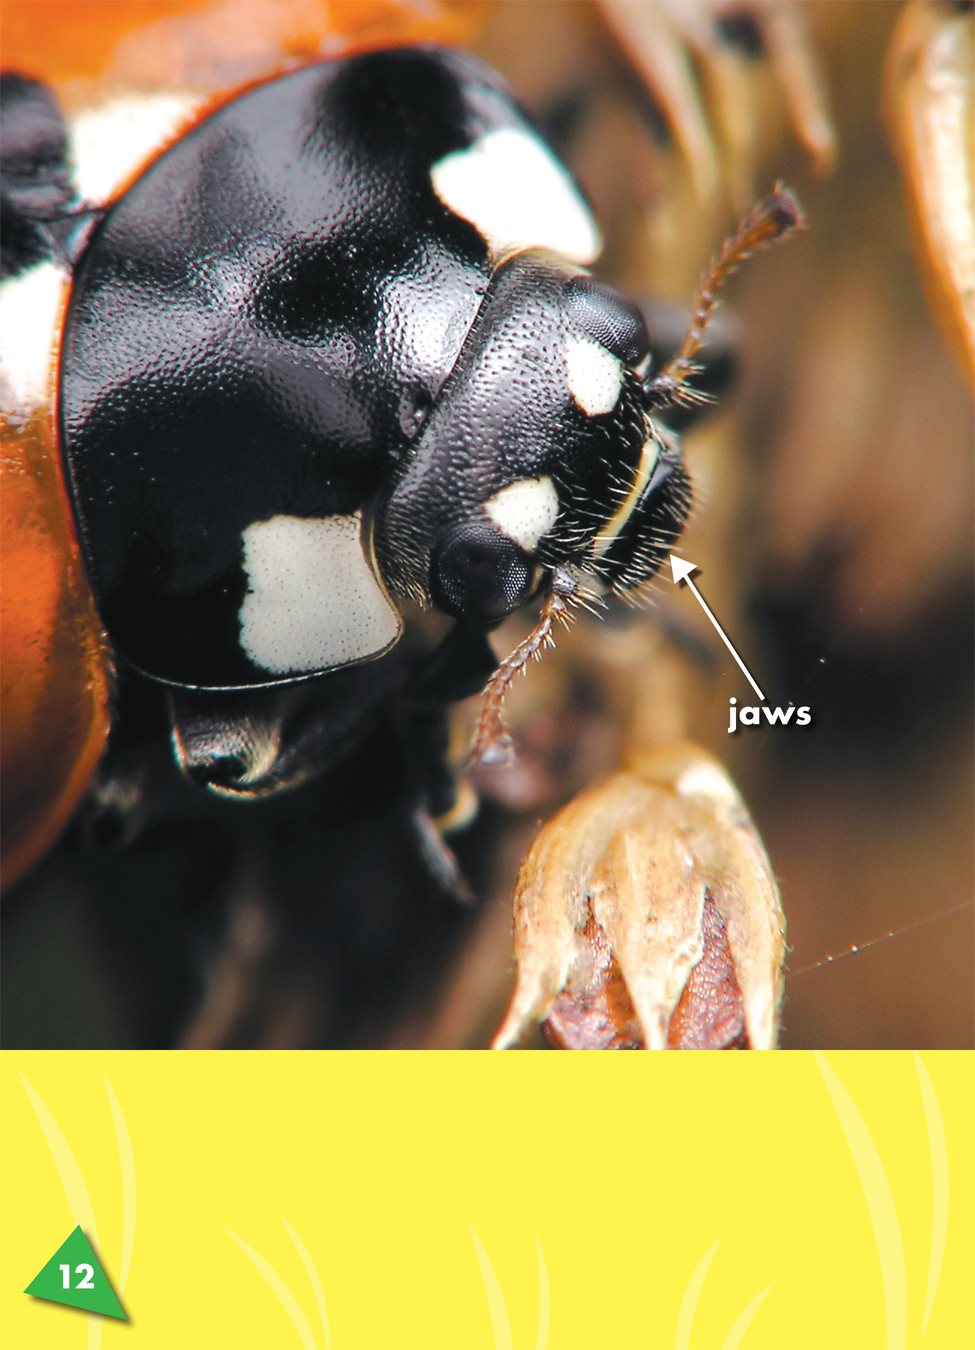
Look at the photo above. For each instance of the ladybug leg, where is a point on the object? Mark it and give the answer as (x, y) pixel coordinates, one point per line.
(230, 743)
(441, 801)
(126, 795)
(458, 668)
(136, 785)
(261, 742)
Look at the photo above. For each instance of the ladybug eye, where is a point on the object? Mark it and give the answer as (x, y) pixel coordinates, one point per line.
(478, 573)
(605, 316)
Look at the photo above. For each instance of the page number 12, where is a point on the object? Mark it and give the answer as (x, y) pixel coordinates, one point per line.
(85, 1271)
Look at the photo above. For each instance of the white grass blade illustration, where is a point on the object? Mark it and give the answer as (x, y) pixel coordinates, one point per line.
(313, 1279)
(692, 1296)
(880, 1205)
(938, 1145)
(281, 1291)
(79, 1201)
(126, 1163)
(744, 1320)
(544, 1300)
(500, 1322)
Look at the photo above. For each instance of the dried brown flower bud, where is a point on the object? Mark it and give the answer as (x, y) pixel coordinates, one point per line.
(930, 96)
(647, 915)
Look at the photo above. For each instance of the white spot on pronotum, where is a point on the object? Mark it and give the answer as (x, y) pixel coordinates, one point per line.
(110, 143)
(525, 511)
(516, 194)
(594, 374)
(313, 601)
(30, 315)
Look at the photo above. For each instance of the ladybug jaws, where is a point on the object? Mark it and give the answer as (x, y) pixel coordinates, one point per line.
(332, 357)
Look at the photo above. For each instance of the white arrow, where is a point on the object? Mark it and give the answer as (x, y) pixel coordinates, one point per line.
(682, 572)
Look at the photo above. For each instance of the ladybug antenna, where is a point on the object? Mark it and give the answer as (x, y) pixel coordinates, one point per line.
(491, 743)
(771, 219)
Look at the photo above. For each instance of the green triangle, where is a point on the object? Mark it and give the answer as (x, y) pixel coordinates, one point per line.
(74, 1277)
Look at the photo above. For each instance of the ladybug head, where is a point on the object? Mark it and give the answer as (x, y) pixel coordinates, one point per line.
(539, 459)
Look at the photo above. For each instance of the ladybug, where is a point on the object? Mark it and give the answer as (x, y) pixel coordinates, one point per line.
(332, 358)
(307, 385)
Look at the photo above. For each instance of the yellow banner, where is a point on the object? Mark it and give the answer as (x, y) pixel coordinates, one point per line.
(262, 1201)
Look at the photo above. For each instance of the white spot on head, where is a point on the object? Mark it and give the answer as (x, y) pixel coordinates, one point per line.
(594, 374)
(313, 601)
(525, 511)
(516, 194)
(30, 319)
(109, 144)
